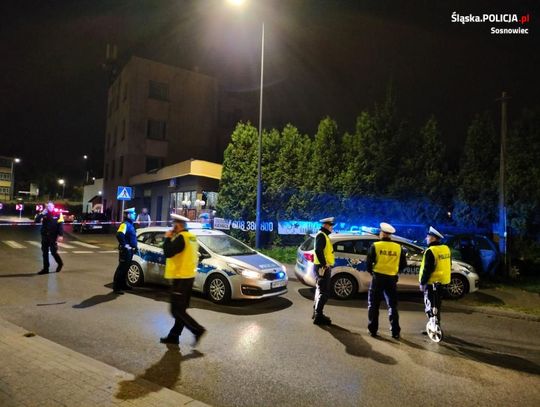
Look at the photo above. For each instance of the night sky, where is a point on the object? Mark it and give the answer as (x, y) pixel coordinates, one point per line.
(323, 57)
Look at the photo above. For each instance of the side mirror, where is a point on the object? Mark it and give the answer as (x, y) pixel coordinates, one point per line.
(203, 256)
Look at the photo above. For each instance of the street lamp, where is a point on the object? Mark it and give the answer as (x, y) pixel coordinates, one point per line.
(85, 158)
(14, 161)
(63, 183)
(259, 153)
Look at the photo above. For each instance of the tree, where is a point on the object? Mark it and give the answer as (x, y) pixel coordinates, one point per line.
(477, 193)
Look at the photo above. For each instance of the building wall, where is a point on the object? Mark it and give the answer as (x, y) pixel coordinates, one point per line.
(190, 114)
(5, 182)
(89, 192)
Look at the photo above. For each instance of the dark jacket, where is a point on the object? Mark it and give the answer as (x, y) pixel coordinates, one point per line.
(52, 224)
(171, 247)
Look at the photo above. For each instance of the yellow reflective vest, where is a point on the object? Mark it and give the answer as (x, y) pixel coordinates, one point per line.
(443, 264)
(387, 257)
(184, 264)
(328, 251)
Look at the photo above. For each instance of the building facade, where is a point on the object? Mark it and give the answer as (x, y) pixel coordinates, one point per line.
(157, 115)
(6, 178)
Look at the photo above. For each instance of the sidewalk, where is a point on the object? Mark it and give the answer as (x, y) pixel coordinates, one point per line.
(35, 372)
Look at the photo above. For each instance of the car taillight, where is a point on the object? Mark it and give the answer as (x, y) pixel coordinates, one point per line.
(308, 256)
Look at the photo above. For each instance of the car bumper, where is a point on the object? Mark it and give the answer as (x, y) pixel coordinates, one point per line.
(304, 273)
(247, 288)
(474, 282)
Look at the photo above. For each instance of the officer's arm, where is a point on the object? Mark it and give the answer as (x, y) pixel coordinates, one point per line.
(121, 235)
(60, 225)
(39, 217)
(173, 247)
(320, 244)
(429, 266)
(402, 260)
(370, 259)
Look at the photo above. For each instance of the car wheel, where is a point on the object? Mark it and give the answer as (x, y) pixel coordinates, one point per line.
(135, 277)
(457, 287)
(218, 289)
(344, 286)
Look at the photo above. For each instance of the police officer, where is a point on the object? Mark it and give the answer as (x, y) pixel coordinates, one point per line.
(324, 260)
(182, 252)
(52, 229)
(127, 245)
(434, 273)
(384, 261)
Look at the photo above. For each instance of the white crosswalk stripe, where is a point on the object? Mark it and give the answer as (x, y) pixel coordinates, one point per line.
(37, 244)
(81, 251)
(14, 244)
(83, 244)
(66, 246)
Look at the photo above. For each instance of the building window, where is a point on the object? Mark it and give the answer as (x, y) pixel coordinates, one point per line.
(106, 172)
(5, 176)
(153, 163)
(112, 169)
(4, 191)
(158, 90)
(121, 167)
(156, 129)
(123, 129)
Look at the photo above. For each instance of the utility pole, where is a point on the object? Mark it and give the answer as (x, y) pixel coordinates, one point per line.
(502, 182)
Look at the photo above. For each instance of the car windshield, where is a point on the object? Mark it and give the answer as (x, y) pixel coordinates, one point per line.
(225, 245)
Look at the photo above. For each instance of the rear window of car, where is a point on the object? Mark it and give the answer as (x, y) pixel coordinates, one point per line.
(309, 244)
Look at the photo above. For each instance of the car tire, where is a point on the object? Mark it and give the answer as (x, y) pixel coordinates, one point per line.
(458, 287)
(135, 276)
(218, 289)
(344, 286)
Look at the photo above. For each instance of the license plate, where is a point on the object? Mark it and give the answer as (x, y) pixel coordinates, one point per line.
(277, 284)
(97, 227)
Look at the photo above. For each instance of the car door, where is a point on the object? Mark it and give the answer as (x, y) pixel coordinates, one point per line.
(408, 278)
(157, 256)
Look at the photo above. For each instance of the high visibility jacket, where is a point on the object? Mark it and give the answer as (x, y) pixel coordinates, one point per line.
(184, 264)
(443, 264)
(387, 258)
(328, 251)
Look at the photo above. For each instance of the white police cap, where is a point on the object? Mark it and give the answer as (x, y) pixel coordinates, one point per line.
(179, 218)
(330, 220)
(434, 232)
(387, 228)
(129, 210)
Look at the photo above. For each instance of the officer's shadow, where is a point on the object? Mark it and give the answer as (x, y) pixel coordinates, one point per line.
(97, 299)
(357, 346)
(164, 373)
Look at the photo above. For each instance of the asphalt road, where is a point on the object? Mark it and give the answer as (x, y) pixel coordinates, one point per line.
(268, 353)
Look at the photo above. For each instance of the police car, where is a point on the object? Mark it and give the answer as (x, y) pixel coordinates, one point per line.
(349, 274)
(228, 269)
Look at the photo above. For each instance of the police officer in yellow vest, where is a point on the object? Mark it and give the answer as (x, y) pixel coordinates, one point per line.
(384, 261)
(182, 252)
(324, 260)
(434, 273)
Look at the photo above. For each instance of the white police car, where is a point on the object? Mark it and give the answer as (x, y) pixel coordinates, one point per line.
(228, 269)
(349, 274)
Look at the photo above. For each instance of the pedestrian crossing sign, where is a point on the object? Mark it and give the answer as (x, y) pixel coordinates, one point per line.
(124, 193)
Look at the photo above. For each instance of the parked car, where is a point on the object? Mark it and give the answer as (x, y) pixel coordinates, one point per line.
(92, 222)
(477, 250)
(228, 269)
(349, 275)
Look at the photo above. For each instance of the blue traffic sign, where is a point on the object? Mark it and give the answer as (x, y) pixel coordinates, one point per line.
(124, 193)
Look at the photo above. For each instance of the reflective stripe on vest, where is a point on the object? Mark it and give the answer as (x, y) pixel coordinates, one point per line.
(184, 264)
(328, 251)
(387, 257)
(443, 265)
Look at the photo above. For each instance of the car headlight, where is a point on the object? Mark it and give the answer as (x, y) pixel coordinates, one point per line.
(244, 272)
(465, 270)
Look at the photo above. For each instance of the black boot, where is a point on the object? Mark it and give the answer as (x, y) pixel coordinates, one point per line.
(44, 271)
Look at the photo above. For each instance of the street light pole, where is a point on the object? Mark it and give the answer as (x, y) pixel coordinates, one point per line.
(259, 170)
(12, 186)
(503, 243)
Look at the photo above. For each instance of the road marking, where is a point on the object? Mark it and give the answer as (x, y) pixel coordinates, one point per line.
(62, 252)
(83, 244)
(108, 251)
(13, 244)
(82, 251)
(37, 244)
(66, 246)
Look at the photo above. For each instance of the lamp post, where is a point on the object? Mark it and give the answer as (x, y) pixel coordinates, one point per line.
(63, 183)
(85, 180)
(12, 186)
(259, 152)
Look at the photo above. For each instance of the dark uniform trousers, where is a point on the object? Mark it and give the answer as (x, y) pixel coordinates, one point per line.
(124, 261)
(322, 289)
(383, 285)
(46, 245)
(180, 297)
(433, 300)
